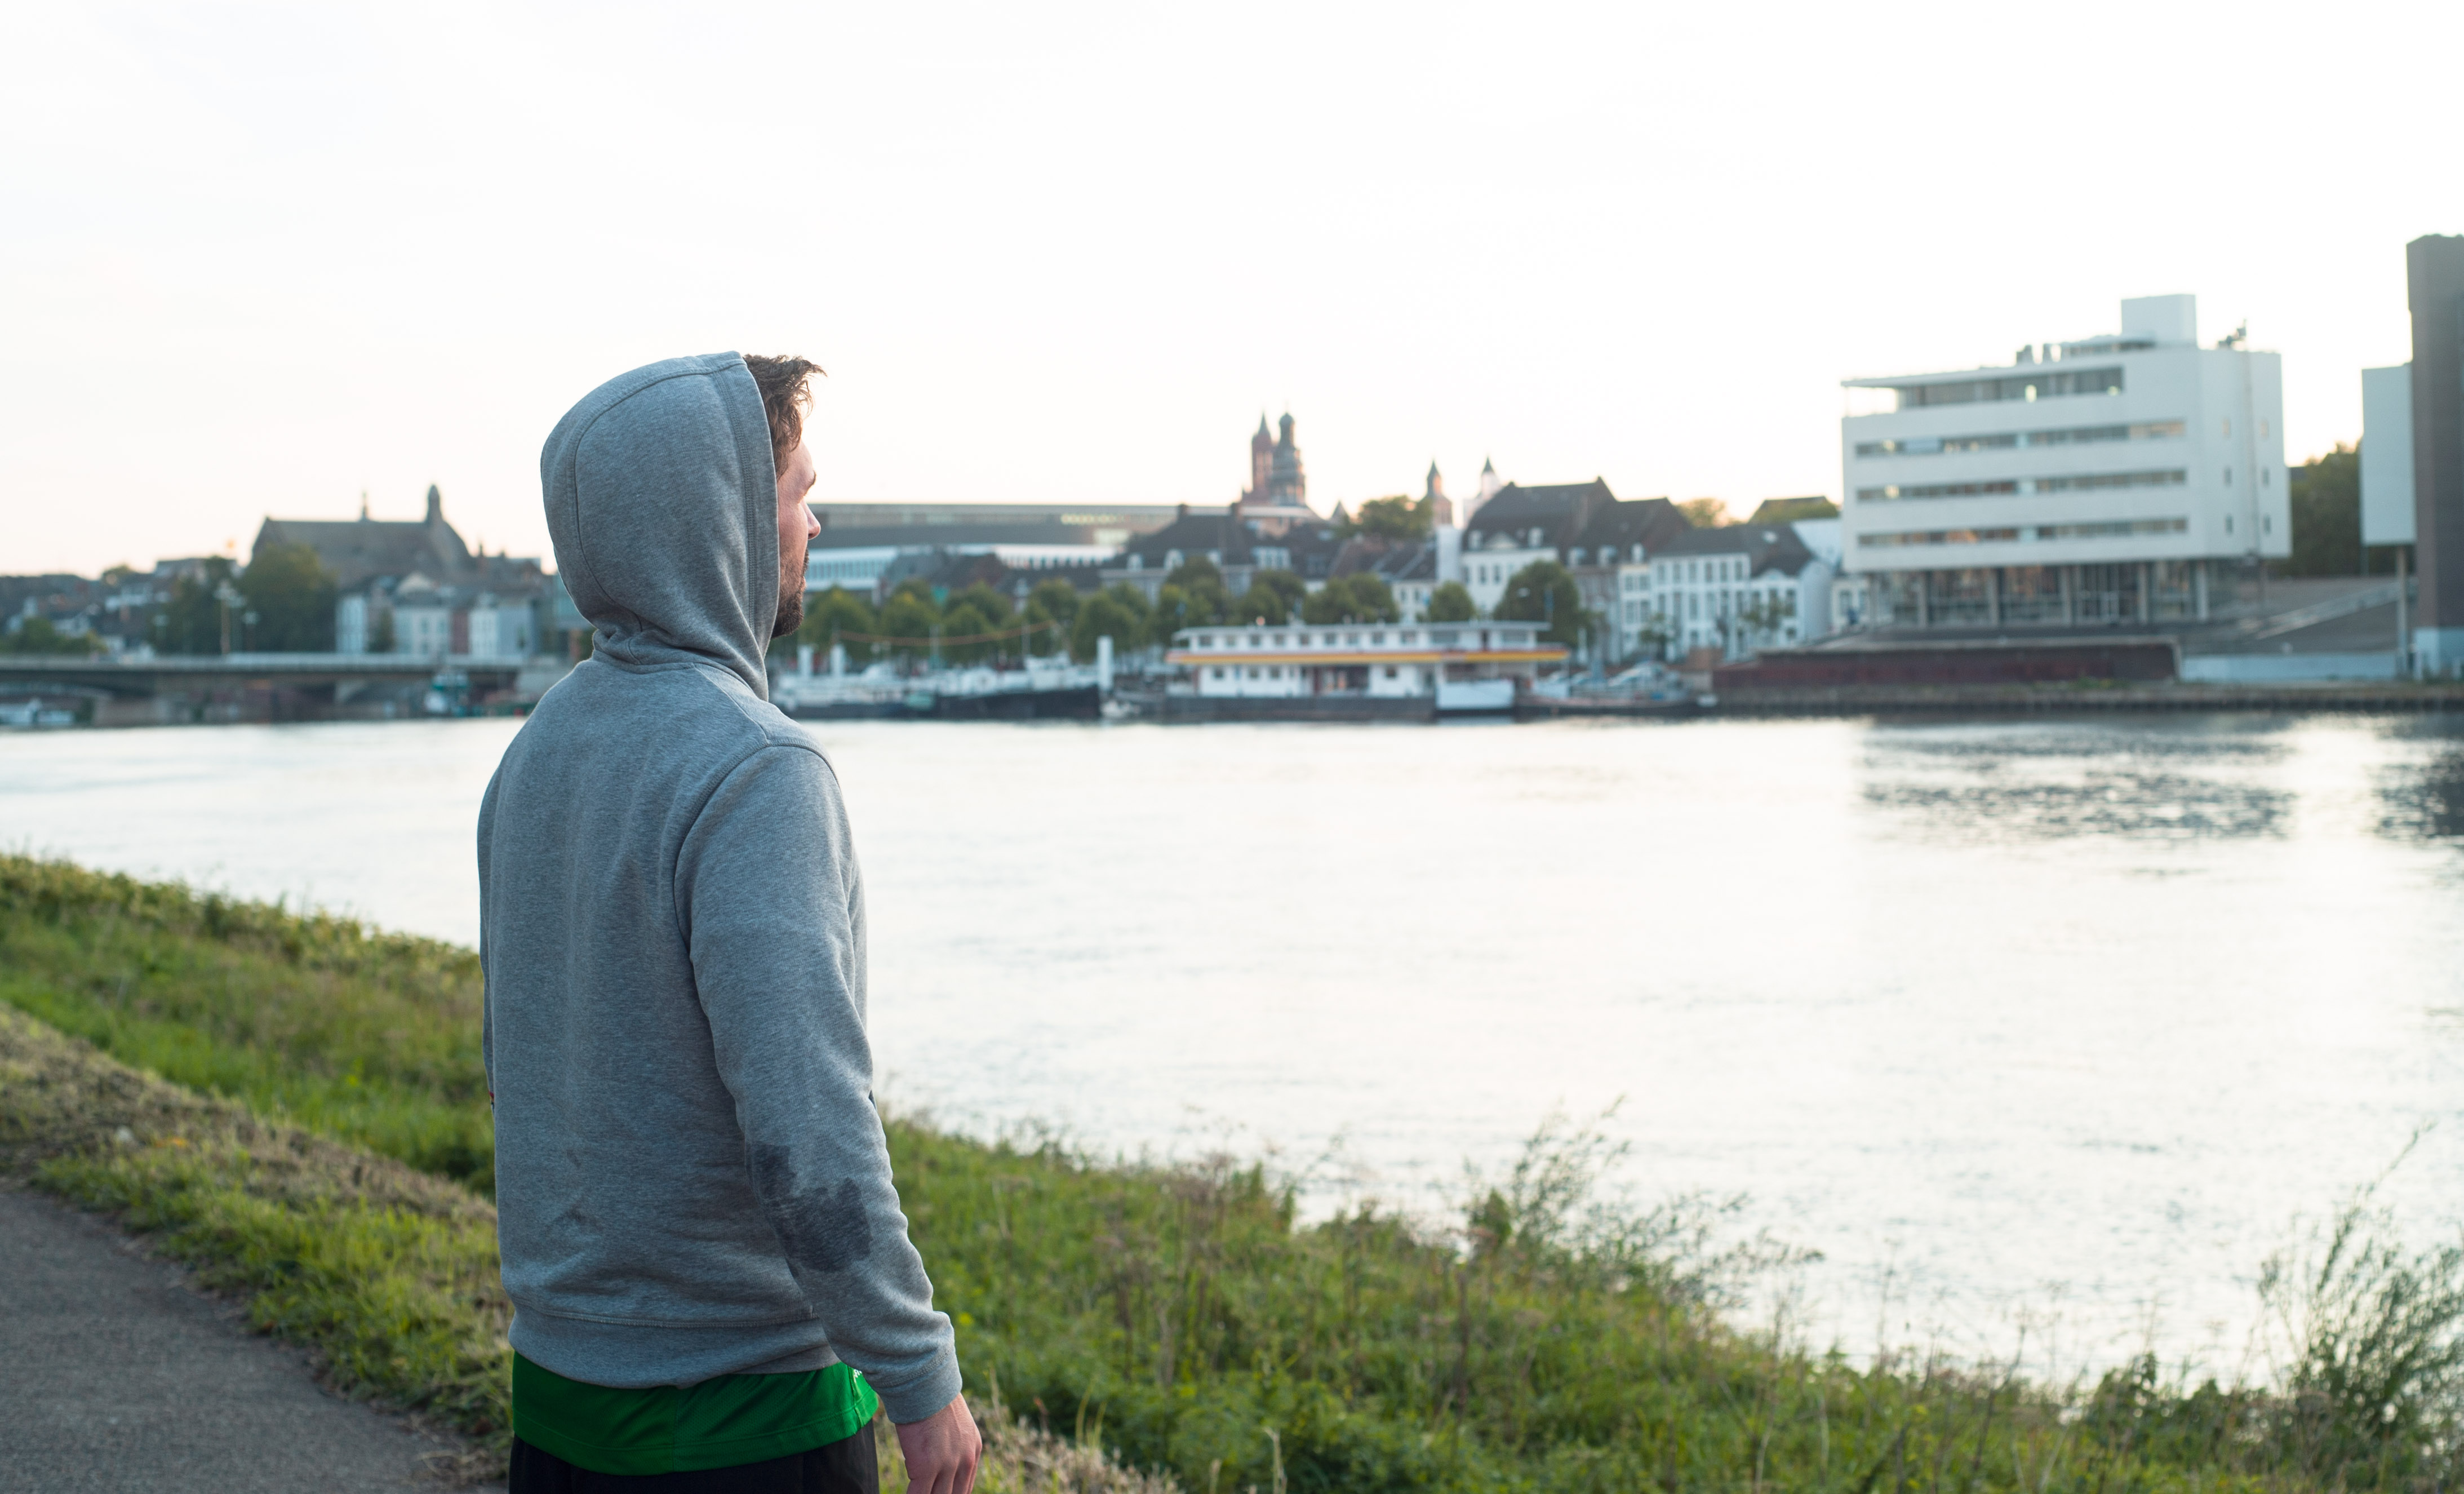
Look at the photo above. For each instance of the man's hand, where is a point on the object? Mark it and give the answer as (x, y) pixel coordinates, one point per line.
(941, 1450)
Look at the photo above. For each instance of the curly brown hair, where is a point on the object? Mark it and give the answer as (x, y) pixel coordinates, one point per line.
(784, 394)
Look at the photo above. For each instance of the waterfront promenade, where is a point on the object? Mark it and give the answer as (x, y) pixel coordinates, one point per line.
(119, 1375)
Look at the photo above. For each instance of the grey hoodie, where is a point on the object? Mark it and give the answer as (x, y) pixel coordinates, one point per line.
(690, 1175)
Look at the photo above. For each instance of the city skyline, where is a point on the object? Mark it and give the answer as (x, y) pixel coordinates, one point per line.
(272, 257)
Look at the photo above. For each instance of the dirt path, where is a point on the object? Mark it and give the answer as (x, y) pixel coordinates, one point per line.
(116, 1375)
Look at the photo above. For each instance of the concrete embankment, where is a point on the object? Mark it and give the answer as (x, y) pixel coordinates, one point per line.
(2365, 697)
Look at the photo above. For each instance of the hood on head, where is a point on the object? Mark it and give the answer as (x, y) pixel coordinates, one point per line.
(663, 503)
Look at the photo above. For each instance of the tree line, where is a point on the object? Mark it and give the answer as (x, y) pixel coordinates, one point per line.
(281, 602)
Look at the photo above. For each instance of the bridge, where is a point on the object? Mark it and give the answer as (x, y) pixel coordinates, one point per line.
(187, 672)
(260, 687)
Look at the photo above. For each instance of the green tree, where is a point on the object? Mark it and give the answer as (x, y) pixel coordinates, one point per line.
(1399, 517)
(1055, 602)
(1283, 583)
(1057, 599)
(1357, 597)
(37, 635)
(831, 616)
(1544, 592)
(1202, 585)
(2326, 500)
(995, 606)
(1259, 604)
(1172, 613)
(193, 621)
(1763, 619)
(1272, 597)
(1451, 602)
(1704, 513)
(381, 638)
(1106, 614)
(966, 619)
(1656, 634)
(911, 617)
(291, 594)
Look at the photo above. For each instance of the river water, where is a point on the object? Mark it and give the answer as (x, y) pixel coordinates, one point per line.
(2059, 1023)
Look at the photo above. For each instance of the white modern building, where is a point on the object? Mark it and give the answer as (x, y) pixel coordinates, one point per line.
(2113, 479)
(1375, 659)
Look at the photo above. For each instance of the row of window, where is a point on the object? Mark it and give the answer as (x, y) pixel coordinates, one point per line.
(1274, 671)
(1690, 605)
(2021, 386)
(2008, 440)
(1441, 637)
(2114, 529)
(1679, 573)
(2171, 478)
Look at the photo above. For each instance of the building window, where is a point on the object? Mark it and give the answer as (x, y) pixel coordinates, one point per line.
(2115, 530)
(1938, 490)
(1216, 672)
(2158, 479)
(2024, 387)
(2006, 440)
(2002, 487)
(1939, 536)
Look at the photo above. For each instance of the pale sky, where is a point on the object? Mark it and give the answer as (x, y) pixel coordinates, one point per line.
(258, 258)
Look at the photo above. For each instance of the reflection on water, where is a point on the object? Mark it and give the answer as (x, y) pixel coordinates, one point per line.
(2057, 780)
(2101, 803)
(2424, 801)
(1994, 1015)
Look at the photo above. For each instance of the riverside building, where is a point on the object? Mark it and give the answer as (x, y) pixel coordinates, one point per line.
(1481, 663)
(2125, 479)
(1737, 588)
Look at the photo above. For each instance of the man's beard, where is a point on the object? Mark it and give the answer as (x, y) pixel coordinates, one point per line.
(791, 610)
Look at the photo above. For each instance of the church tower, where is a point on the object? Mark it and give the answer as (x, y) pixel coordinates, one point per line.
(1441, 509)
(1287, 485)
(1261, 458)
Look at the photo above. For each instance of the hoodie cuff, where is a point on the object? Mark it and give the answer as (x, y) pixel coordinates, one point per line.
(915, 1398)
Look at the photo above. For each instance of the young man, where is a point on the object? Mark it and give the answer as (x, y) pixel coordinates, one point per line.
(694, 1207)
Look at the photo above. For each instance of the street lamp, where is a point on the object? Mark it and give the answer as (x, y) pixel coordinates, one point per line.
(229, 596)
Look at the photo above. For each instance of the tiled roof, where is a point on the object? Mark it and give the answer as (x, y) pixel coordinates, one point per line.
(1558, 511)
(1788, 511)
(1770, 547)
(1618, 526)
(1389, 559)
(363, 549)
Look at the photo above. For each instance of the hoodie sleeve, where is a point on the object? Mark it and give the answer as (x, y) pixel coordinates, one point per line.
(766, 881)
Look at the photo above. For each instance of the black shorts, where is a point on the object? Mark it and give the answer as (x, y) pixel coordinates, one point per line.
(842, 1468)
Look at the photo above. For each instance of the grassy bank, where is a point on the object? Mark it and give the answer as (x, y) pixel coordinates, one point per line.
(370, 1037)
(1176, 1315)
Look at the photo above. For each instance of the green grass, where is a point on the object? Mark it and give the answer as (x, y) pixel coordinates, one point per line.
(370, 1037)
(1176, 1315)
(387, 1272)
